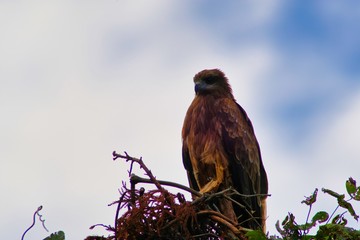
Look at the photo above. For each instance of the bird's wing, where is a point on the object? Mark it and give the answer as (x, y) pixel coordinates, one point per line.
(245, 164)
(188, 166)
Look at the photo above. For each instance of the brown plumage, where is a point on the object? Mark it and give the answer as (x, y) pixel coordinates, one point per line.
(220, 149)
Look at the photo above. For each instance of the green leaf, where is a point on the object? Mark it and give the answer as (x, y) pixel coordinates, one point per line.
(320, 217)
(255, 235)
(332, 193)
(357, 194)
(308, 237)
(351, 186)
(335, 231)
(278, 228)
(306, 226)
(344, 204)
(311, 199)
(339, 219)
(286, 219)
(60, 235)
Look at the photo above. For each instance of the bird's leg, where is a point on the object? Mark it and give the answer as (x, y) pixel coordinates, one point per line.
(263, 214)
(213, 184)
(226, 208)
(225, 205)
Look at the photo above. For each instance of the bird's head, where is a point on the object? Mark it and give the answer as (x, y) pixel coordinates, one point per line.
(213, 82)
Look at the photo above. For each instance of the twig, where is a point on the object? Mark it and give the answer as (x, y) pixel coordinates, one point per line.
(33, 223)
(109, 228)
(117, 212)
(198, 236)
(220, 218)
(136, 179)
(217, 217)
(213, 214)
(220, 215)
(142, 165)
(332, 214)
(226, 193)
(227, 224)
(209, 196)
(132, 191)
(243, 207)
(250, 195)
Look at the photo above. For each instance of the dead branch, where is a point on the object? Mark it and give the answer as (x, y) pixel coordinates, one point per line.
(160, 214)
(142, 165)
(136, 179)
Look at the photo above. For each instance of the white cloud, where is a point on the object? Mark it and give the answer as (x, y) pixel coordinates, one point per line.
(328, 159)
(81, 80)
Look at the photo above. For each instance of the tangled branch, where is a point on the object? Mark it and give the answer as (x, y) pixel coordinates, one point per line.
(157, 213)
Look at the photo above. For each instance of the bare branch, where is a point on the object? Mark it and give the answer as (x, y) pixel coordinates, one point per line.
(142, 165)
(136, 179)
(156, 212)
(33, 223)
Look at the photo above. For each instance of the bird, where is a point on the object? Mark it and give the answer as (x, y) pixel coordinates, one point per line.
(220, 151)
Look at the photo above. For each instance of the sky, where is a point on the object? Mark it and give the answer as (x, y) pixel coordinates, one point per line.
(80, 79)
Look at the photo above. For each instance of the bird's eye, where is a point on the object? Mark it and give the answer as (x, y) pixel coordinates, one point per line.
(210, 80)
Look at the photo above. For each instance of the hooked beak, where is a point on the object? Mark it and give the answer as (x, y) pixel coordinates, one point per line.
(199, 87)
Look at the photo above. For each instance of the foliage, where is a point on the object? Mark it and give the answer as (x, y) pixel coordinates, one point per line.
(60, 235)
(159, 214)
(333, 227)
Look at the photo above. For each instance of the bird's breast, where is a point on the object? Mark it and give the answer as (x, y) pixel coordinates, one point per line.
(204, 132)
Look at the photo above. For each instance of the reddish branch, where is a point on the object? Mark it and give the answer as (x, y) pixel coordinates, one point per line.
(136, 179)
(161, 214)
(141, 164)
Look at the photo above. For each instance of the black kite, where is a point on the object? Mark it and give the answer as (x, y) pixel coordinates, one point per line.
(220, 150)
